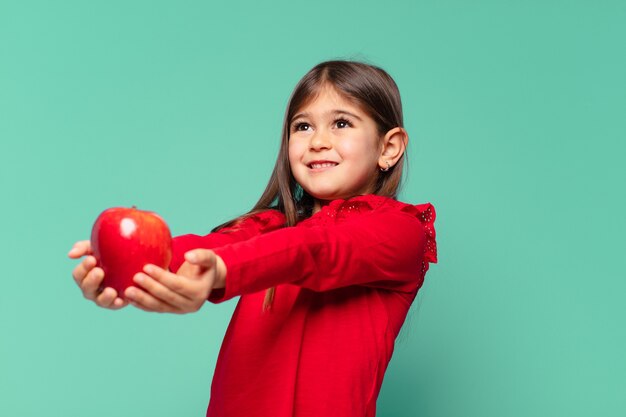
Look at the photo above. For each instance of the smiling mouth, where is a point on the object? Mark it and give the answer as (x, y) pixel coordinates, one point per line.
(322, 165)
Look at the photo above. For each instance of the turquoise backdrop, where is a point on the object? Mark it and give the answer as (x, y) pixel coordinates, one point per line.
(516, 116)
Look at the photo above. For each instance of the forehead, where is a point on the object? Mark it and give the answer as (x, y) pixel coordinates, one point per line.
(327, 97)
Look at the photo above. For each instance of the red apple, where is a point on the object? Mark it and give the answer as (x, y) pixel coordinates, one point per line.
(124, 240)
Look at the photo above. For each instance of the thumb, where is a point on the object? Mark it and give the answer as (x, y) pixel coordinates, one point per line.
(203, 257)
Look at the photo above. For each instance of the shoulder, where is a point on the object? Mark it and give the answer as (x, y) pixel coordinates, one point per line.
(261, 221)
(363, 206)
(423, 213)
(267, 217)
(371, 203)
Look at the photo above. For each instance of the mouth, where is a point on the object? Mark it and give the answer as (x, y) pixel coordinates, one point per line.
(321, 165)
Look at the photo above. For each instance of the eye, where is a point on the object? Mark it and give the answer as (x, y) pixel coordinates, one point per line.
(342, 123)
(301, 127)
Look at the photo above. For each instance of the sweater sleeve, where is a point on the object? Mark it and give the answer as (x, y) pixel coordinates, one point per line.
(384, 249)
(246, 228)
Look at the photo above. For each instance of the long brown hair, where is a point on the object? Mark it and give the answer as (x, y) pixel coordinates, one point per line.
(368, 86)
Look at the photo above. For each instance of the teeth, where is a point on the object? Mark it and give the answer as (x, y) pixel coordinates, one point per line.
(324, 165)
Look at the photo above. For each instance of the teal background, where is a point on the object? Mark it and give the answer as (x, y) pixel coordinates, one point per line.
(515, 112)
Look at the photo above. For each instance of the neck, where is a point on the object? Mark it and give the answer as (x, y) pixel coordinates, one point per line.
(318, 204)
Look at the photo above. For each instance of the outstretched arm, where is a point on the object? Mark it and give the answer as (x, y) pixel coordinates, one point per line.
(384, 249)
(198, 269)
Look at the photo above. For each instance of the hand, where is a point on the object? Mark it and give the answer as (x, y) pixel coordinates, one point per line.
(184, 292)
(89, 278)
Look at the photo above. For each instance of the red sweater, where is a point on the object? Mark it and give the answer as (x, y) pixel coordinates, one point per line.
(345, 279)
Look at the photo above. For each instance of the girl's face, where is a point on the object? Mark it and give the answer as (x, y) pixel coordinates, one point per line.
(334, 148)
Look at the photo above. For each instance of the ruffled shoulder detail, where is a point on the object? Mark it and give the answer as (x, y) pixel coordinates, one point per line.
(426, 214)
(338, 210)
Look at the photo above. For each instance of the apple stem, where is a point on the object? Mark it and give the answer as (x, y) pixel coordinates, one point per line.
(134, 207)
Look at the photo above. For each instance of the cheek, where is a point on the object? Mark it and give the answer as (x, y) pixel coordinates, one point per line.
(295, 152)
(297, 148)
(292, 153)
(358, 150)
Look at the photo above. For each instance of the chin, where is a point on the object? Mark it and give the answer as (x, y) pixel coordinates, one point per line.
(321, 196)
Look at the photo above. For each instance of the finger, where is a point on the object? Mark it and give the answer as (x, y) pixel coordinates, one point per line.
(175, 283)
(153, 309)
(141, 307)
(79, 249)
(187, 270)
(106, 297)
(109, 299)
(147, 302)
(147, 309)
(204, 257)
(119, 303)
(82, 269)
(91, 283)
(160, 291)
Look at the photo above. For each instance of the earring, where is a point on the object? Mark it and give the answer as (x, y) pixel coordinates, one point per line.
(386, 169)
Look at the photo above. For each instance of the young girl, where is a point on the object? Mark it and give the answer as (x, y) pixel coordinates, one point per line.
(326, 264)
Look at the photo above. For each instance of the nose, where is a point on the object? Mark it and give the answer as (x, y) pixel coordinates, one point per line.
(319, 141)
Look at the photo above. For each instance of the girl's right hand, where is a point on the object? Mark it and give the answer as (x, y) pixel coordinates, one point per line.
(89, 278)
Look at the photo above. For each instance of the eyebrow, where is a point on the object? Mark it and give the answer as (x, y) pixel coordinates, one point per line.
(332, 112)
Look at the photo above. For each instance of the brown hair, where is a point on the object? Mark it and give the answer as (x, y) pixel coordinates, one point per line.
(368, 86)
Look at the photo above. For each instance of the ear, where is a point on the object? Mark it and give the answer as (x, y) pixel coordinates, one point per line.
(393, 146)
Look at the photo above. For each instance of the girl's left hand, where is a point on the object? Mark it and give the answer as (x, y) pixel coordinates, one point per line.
(184, 292)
